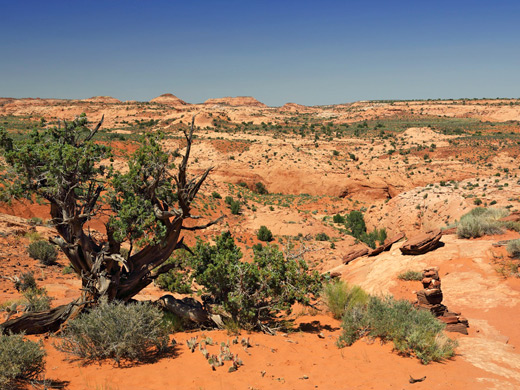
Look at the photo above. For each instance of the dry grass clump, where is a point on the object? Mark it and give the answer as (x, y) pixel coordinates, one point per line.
(117, 331)
(481, 221)
(412, 331)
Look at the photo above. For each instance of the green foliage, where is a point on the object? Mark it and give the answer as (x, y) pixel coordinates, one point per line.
(356, 223)
(178, 280)
(322, 237)
(338, 218)
(513, 248)
(412, 331)
(20, 359)
(117, 331)
(216, 195)
(264, 234)
(36, 300)
(340, 297)
(410, 275)
(481, 221)
(43, 251)
(235, 207)
(25, 282)
(358, 229)
(260, 188)
(255, 291)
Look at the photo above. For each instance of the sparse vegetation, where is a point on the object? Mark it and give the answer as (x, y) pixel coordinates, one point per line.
(43, 251)
(20, 359)
(481, 221)
(264, 234)
(412, 331)
(118, 331)
(410, 275)
(339, 297)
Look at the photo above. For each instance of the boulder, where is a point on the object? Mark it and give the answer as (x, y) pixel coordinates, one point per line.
(422, 243)
(354, 253)
(387, 244)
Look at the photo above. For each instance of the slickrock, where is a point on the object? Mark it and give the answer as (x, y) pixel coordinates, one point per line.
(422, 243)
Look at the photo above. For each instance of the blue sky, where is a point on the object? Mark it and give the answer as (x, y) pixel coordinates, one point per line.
(308, 52)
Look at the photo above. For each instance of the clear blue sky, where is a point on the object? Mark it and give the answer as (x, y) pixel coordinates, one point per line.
(308, 52)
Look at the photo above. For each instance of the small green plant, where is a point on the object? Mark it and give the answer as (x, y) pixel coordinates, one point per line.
(338, 218)
(67, 270)
(20, 359)
(513, 248)
(36, 299)
(339, 297)
(114, 330)
(25, 282)
(264, 234)
(216, 195)
(322, 237)
(410, 275)
(260, 188)
(43, 251)
(235, 207)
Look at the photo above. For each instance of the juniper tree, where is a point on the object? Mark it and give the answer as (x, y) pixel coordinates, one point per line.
(145, 206)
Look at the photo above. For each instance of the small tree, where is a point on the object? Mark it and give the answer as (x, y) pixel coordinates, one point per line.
(264, 234)
(147, 205)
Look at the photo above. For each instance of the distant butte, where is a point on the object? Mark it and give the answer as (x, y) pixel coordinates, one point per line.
(168, 99)
(236, 101)
(102, 99)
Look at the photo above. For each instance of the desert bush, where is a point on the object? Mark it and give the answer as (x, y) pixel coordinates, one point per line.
(481, 221)
(216, 195)
(25, 282)
(260, 188)
(43, 251)
(264, 234)
(114, 330)
(338, 218)
(412, 331)
(513, 248)
(235, 207)
(20, 359)
(36, 299)
(251, 292)
(356, 223)
(322, 237)
(339, 297)
(410, 275)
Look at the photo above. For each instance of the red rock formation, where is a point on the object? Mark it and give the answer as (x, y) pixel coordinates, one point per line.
(422, 243)
(247, 101)
(169, 100)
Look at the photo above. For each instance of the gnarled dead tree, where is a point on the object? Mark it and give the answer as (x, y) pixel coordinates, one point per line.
(146, 208)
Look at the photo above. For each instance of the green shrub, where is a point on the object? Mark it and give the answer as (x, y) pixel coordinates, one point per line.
(216, 195)
(235, 207)
(20, 359)
(338, 218)
(410, 275)
(264, 234)
(322, 237)
(117, 331)
(513, 248)
(260, 188)
(339, 297)
(356, 223)
(481, 221)
(412, 331)
(25, 282)
(43, 251)
(36, 299)
(228, 200)
(251, 292)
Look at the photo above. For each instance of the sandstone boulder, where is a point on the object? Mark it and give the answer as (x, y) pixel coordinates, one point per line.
(422, 243)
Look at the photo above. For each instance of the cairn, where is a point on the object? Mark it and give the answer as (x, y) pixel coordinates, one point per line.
(430, 298)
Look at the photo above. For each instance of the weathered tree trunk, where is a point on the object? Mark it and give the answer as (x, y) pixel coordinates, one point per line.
(41, 322)
(102, 269)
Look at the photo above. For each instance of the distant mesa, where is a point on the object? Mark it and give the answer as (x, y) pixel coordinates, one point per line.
(247, 101)
(293, 107)
(102, 99)
(168, 99)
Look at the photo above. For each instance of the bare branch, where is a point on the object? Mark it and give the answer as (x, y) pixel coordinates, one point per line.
(201, 227)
